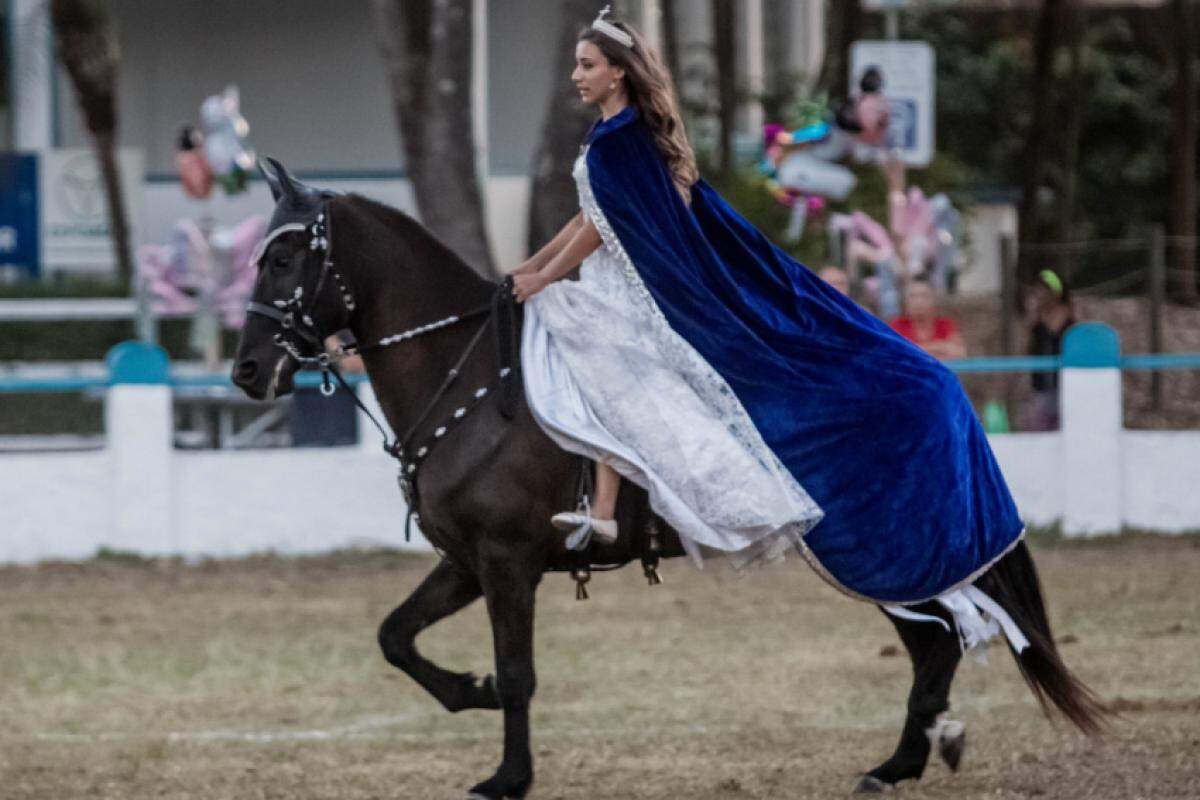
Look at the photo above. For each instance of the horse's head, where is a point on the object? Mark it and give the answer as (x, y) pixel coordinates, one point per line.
(298, 297)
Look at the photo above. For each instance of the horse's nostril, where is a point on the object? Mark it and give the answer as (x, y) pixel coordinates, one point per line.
(245, 371)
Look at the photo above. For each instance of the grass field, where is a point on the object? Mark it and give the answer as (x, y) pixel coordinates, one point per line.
(261, 679)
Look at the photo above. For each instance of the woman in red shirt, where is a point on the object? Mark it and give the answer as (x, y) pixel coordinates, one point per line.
(936, 335)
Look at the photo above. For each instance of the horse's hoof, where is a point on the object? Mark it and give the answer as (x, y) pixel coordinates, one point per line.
(952, 740)
(869, 784)
(497, 789)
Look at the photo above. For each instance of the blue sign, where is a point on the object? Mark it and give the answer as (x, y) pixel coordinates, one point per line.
(907, 69)
(902, 123)
(19, 233)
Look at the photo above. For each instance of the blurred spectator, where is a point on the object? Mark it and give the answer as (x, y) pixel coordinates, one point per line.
(1050, 313)
(319, 421)
(836, 278)
(922, 326)
(868, 241)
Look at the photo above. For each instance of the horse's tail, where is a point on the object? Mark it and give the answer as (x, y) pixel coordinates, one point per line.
(1013, 583)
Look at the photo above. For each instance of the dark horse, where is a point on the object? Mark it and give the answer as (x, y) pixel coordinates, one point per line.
(490, 478)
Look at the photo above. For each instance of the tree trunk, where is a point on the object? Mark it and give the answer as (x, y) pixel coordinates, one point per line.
(553, 199)
(106, 153)
(1039, 137)
(670, 40)
(1074, 100)
(85, 45)
(426, 47)
(843, 26)
(724, 23)
(1184, 136)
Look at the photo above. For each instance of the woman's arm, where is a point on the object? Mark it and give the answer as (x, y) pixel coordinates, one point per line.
(552, 248)
(583, 243)
(953, 347)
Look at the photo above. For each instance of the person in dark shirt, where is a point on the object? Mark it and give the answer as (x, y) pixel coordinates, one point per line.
(1050, 314)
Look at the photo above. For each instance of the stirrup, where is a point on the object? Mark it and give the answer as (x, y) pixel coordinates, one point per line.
(583, 527)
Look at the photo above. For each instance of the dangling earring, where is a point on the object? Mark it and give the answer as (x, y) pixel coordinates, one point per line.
(612, 86)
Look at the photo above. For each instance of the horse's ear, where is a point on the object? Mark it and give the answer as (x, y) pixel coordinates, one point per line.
(278, 179)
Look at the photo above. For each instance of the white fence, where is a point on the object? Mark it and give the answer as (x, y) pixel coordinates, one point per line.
(140, 494)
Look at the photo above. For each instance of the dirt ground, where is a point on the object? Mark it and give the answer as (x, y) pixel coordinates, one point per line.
(261, 679)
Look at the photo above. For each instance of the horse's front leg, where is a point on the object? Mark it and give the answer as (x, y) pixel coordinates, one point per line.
(509, 583)
(443, 592)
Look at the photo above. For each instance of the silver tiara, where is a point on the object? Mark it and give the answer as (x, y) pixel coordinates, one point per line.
(610, 30)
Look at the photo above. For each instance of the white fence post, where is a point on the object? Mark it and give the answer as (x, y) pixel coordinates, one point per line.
(1091, 429)
(140, 429)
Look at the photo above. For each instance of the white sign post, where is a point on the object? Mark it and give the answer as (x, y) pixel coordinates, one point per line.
(908, 81)
(76, 235)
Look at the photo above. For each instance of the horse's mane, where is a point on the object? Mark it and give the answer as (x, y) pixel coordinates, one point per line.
(413, 233)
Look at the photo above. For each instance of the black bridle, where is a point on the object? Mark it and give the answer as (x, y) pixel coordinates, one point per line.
(299, 330)
(294, 319)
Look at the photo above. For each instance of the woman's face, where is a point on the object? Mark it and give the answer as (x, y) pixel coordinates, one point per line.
(595, 76)
(1041, 298)
(918, 299)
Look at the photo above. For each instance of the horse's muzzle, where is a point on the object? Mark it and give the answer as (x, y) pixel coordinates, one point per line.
(260, 383)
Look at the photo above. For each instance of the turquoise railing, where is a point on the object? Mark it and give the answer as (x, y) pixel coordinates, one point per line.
(1087, 345)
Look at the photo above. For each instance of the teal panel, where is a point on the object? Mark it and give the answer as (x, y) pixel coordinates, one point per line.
(138, 362)
(1091, 344)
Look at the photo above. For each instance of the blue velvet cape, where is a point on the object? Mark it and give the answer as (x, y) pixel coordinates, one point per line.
(878, 432)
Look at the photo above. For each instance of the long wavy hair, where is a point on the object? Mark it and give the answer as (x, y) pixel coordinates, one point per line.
(650, 89)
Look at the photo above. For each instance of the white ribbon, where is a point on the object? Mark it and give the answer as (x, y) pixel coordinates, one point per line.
(977, 617)
(904, 613)
(1011, 631)
(580, 537)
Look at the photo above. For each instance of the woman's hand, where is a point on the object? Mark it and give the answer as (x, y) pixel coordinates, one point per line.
(527, 285)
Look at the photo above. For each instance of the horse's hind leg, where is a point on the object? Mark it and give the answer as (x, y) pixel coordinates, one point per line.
(444, 591)
(935, 655)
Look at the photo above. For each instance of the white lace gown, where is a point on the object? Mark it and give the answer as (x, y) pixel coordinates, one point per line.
(606, 377)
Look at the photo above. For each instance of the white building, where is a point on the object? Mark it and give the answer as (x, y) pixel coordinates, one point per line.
(314, 90)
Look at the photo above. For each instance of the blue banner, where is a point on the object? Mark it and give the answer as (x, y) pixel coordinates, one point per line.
(19, 233)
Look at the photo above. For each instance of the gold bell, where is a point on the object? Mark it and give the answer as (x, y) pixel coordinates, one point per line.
(581, 577)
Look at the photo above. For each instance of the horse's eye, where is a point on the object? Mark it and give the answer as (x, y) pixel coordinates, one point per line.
(280, 263)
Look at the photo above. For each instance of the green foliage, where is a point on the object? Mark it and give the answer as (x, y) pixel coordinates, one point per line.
(123, 558)
(983, 77)
(62, 286)
(747, 192)
(984, 69)
(71, 413)
(1124, 176)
